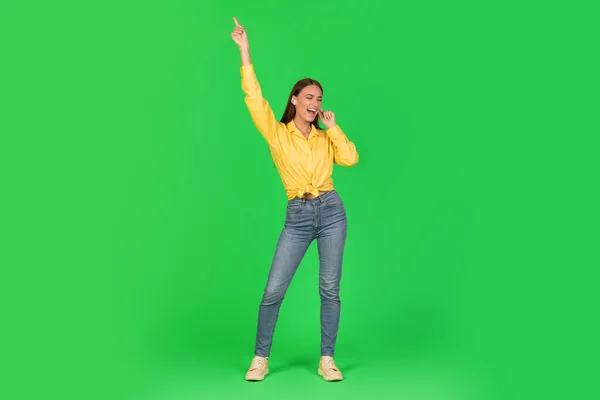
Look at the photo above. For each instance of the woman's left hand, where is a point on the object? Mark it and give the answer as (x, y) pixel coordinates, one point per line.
(328, 118)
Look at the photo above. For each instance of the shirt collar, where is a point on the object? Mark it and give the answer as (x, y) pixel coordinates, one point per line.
(291, 127)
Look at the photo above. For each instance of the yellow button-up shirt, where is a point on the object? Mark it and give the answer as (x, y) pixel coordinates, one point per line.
(305, 165)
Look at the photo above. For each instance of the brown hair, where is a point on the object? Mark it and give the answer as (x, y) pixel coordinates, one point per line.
(290, 109)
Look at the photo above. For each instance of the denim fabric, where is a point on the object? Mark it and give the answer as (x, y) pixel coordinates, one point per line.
(323, 219)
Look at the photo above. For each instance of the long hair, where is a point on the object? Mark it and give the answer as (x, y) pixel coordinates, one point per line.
(290, 110)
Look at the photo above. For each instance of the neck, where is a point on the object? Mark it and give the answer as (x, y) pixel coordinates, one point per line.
(303, 125)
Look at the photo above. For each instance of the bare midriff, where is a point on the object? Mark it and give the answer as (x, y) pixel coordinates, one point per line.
(310, 196)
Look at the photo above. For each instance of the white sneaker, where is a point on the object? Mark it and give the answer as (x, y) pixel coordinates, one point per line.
(328, 370)
(258, 369)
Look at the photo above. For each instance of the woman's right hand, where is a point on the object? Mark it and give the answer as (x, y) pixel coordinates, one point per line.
(239, 35)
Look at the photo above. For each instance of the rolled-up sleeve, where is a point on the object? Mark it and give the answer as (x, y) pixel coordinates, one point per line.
(345, 153)
(259, 108)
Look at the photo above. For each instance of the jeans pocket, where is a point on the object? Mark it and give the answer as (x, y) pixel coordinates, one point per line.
(293, 207)
(334, 201)
(336, 204)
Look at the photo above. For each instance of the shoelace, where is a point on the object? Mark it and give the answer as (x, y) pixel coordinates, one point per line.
(329, 363)
(256, 363)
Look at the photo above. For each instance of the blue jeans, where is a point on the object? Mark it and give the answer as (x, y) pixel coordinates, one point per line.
(324, 219)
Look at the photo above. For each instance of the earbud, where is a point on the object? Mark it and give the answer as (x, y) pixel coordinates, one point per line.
(293, 101)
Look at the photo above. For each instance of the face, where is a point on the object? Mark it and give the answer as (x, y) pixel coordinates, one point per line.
(308, 102)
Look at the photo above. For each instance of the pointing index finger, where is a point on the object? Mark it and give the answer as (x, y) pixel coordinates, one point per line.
(236, 21)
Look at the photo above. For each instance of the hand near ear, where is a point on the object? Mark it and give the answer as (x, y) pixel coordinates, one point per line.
(328, 118)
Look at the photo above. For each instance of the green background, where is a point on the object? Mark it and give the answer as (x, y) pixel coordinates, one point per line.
(141, 207)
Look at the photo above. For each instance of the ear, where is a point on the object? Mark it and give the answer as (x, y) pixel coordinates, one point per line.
(293, 100)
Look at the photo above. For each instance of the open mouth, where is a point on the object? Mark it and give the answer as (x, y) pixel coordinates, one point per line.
(312, 112)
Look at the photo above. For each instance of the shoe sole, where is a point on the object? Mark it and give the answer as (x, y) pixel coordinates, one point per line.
(330, 378)
(259, 378)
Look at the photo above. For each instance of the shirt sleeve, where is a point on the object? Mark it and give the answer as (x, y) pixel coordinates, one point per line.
(259, 108)
(345, 153)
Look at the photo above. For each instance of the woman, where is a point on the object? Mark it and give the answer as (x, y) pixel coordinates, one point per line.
(304, 155)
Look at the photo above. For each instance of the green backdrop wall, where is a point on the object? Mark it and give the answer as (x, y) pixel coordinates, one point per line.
(142, 207)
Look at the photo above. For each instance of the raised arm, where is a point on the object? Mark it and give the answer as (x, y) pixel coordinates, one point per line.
(259, 108)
